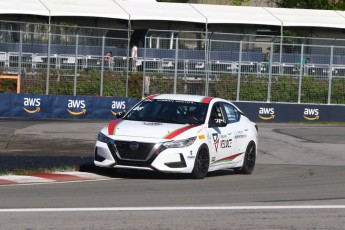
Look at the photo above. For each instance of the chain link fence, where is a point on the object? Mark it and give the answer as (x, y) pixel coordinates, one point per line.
(222, 65)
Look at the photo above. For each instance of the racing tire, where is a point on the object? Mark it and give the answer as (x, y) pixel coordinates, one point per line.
(249, 160)
(201, 164)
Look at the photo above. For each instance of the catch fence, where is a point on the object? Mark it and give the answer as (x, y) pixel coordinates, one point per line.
(174, 62)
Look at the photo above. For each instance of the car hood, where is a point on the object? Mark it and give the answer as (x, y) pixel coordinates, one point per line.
(155, 130)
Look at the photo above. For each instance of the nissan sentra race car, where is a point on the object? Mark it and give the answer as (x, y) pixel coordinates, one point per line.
(177, 133)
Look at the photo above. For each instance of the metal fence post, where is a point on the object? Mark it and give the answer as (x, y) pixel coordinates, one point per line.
(20, 53)
(144, 68)
(330, 76)
(269, 86)
(239, 73)
(127, 58)
(176, 65)
(48, 64)
(206, 64)
(75, 65)
(102, 67)
(300, 75)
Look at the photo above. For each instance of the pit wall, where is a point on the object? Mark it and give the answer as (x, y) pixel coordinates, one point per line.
(82, 107)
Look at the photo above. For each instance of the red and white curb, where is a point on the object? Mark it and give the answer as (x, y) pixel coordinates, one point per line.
(50, 178)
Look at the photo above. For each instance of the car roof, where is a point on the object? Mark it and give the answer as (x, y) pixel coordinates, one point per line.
(188, 97)
(182, 97)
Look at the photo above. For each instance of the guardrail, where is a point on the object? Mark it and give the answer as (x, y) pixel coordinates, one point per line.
(9, 63)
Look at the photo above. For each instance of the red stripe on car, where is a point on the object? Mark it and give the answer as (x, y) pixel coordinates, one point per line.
(179, 131)
(230, 158)
(151, 96)
(207, 99)
(112, 125)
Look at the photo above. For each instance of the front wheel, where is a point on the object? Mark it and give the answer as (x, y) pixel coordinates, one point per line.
(201, 164)
(249, 160)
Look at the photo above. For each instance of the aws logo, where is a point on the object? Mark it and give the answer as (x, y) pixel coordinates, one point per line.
(266, 113)
(76, 107)
(117, 105)
(33, 104)
(311, 114)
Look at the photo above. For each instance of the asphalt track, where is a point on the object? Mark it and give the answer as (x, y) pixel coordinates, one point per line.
(299, 183)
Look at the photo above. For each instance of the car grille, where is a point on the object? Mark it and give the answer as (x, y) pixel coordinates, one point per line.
(141, 153)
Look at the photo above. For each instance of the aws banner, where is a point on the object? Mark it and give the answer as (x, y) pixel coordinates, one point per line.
(62, 106)
(71, 107)
(108, 107)
(275, 112)
(25, 105)
(5, 104)
(33, 106)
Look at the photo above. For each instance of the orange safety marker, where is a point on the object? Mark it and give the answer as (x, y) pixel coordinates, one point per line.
(12, 77)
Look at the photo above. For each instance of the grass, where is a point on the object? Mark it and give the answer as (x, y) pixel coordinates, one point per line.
(30, 171)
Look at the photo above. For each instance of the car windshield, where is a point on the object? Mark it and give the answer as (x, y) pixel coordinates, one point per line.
(169, 111)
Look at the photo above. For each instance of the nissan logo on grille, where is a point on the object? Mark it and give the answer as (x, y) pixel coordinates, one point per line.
(133, 146)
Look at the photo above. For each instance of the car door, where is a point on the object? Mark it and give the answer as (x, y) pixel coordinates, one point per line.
(221, 136)
(236, 132)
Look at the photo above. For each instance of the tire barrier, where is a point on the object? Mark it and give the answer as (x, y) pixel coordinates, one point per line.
(62, 106)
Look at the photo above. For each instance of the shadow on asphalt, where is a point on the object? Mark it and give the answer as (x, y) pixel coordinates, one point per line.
(10, 164)
(13, 164)
(141, 174)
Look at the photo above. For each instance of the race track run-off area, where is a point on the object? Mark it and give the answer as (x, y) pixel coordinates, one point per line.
(298, 183)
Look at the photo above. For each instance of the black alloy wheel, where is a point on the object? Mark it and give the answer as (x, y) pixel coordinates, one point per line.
(202, 163)
(249, 160)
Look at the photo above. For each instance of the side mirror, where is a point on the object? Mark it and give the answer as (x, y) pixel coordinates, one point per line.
(121, 114)
(217, 123)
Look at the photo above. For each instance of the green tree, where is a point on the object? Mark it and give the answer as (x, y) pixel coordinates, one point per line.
(312, 4)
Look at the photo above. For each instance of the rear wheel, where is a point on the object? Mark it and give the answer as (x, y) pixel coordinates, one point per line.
(202, 163)
(249, 160)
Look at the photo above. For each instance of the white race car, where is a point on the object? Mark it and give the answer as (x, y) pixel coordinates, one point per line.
(178, 133)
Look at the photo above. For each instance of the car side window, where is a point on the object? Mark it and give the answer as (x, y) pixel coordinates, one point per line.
(216, 112)
(231, 113)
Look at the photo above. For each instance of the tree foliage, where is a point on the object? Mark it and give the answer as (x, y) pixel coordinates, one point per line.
(312, 4)
(238, 2)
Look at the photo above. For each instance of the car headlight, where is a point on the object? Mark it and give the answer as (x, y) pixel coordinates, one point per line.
(179, 143)
(103, 138)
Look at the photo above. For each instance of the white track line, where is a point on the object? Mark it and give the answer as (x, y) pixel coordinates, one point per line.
(174, 208)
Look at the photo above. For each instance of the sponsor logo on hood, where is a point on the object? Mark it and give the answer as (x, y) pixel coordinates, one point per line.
(153, 123)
